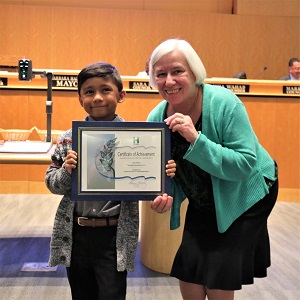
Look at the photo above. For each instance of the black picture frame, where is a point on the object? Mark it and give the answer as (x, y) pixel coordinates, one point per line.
(120, 161)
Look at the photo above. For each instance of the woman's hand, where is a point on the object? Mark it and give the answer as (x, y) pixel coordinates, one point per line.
(184, 125)
(171, 168)
(162, 204)
(70, 162)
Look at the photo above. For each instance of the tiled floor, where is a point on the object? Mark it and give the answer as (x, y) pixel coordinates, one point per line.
(26, 225)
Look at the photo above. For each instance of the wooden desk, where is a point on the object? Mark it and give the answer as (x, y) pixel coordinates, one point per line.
(26, 158)
(273, 107)
(27, 171)
(66, 80)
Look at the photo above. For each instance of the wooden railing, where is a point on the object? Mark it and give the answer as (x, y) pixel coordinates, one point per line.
(66, 80)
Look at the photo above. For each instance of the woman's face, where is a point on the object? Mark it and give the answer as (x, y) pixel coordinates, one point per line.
(174, 79)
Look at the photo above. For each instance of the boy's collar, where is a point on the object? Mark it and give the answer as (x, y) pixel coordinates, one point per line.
(89, 118)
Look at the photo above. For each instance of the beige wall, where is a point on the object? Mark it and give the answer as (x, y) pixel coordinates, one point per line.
(267, 7)
(59, 36)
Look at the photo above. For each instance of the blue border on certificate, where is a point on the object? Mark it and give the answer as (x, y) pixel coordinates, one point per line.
(120, 161)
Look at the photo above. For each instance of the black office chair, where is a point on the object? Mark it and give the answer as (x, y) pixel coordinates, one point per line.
(240, 75)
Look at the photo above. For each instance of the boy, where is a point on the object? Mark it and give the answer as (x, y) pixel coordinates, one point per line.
(97, 254)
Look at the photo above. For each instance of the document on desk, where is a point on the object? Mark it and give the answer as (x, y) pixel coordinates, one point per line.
(25, 147)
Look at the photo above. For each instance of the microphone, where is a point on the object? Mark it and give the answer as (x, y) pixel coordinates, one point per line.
(260, 72)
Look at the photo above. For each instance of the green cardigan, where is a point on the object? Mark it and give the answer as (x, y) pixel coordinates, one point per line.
(228, 149)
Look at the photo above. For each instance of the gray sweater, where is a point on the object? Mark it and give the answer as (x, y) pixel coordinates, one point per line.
(59, 181)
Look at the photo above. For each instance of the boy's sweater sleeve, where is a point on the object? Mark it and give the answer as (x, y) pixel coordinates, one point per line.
(57, 179)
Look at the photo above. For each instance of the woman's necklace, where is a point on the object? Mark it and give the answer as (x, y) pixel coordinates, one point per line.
(193, 106)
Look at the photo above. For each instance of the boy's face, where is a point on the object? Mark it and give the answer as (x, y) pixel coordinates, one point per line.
(99, 98)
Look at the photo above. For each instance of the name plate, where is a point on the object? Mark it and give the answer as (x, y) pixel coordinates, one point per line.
(291, 90)
(64, 81)
(3, 81)
(236, 88)
(140, 85)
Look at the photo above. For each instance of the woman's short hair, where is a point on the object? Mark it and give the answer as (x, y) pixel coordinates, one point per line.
(189, 53)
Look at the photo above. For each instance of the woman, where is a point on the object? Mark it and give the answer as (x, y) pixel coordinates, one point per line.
(228, 177)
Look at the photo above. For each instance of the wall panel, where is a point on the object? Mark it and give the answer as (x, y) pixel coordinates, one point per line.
(277, 126)
(243, 7)
(14, 109)
(69, 38)
(203, 6)
(268, 7)
(287, 140)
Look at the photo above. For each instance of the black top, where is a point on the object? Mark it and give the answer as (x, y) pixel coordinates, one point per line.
(196, 183)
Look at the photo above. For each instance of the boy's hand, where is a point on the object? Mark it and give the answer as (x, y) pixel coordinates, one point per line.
(171, 168)
(70, 162)
(162, 204)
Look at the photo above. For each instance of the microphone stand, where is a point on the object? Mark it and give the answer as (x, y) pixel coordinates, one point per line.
(260, 72)
(49, 76)
(49, 106)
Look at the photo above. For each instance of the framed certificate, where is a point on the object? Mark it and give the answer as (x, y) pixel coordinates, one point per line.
(120, 160)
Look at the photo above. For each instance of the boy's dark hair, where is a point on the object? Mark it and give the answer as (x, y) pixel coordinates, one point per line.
(99, 69)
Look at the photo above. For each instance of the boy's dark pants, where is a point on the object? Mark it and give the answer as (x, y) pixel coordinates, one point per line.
(93, 272)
